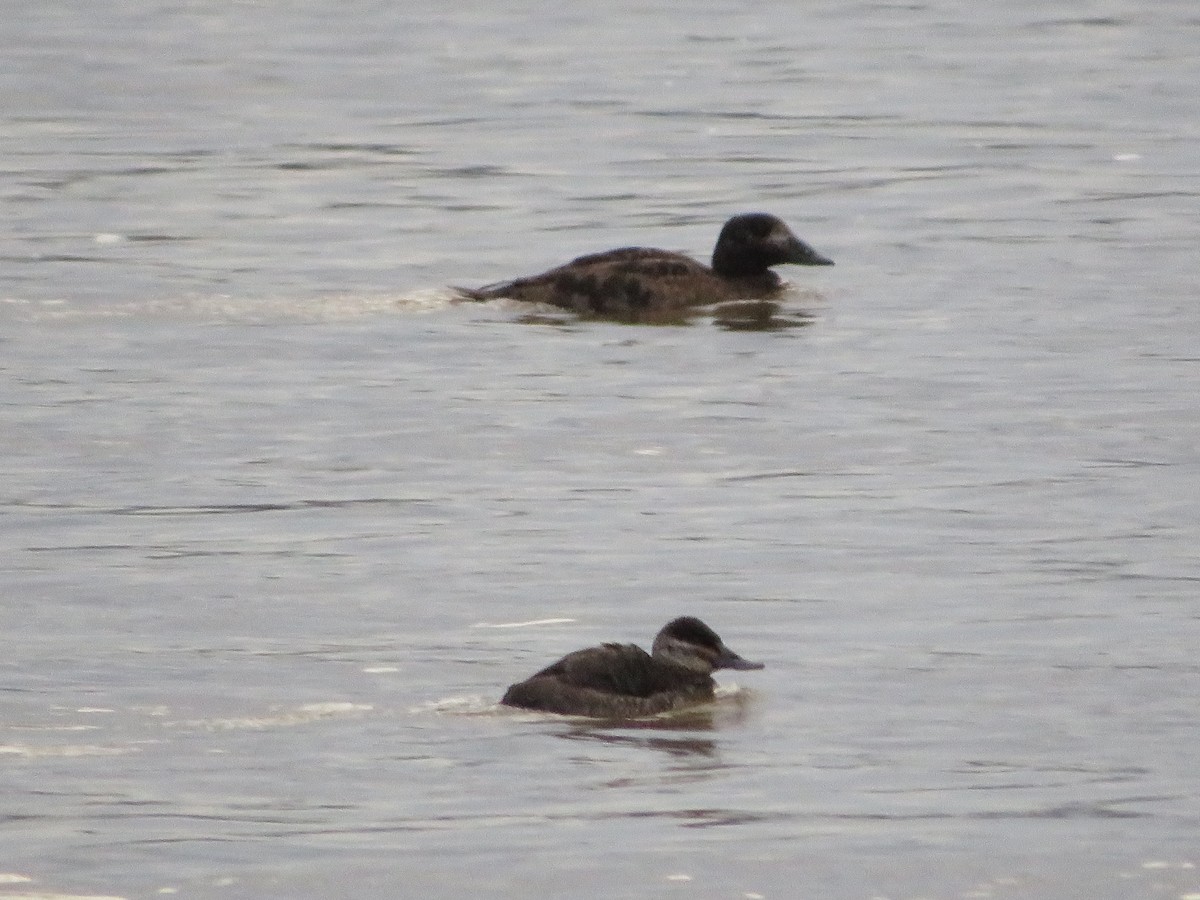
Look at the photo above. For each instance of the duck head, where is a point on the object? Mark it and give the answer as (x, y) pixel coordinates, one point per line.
(751, 243)
(688, 642)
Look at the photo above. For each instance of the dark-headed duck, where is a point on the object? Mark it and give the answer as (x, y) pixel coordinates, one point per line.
(623, 681)
(640, 284)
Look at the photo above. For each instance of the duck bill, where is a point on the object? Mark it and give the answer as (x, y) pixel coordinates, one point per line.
(730, 660)
(804, 255)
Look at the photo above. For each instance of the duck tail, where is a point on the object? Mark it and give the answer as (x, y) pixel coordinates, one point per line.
(474, 295)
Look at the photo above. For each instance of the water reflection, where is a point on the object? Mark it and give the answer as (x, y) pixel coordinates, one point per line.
(686, 746)
(759, 315)
(740, 315)
(557, 320)
(679, 734)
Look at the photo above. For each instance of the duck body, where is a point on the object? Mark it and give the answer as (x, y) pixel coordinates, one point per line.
(641, 284)
(624, 681)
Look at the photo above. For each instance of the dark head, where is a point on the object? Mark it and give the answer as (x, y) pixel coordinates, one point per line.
(750, 244)
(689, 642)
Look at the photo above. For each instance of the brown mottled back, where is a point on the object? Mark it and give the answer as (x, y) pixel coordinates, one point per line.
(633, 284)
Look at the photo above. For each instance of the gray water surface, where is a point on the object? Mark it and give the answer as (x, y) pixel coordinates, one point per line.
(279, 520)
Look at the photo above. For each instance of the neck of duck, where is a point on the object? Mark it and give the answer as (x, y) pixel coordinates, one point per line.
(733, 262)
(686, 656)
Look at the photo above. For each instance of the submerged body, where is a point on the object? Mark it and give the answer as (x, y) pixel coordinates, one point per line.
(641, 284)
(624, 681)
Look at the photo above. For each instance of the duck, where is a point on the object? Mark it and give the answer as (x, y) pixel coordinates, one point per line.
(643, 284)
(623, 681)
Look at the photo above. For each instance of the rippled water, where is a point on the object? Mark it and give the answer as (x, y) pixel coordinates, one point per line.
(279, 521)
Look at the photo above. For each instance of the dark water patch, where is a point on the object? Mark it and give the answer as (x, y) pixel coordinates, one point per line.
(222, 508)
(243, 508)
(442, 122)
(702, 817)
(1176, 668)
(1081, 22)
(1105, 809)
(167, 553)
(151, 238)
(768, 476)
(1082, 810)
(368, 204)
(310, 166)
(1129, 463)
(81, 548)
(730, 115)
(605, 198)
(480, 171)
(1125, 196)
(366, 148)
(70, 258)
(1101, 773)
(141, 171)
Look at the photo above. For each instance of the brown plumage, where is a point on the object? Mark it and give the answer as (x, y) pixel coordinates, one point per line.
(640, 284)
